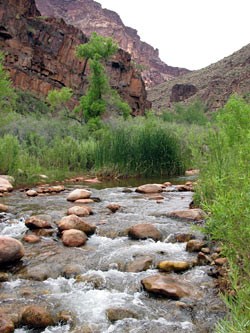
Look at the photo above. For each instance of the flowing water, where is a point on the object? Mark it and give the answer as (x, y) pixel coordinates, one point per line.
(89, 281)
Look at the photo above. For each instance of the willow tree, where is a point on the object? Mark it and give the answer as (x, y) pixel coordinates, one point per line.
(93, 104)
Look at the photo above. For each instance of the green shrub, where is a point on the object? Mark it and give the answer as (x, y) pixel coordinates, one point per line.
(9, 154)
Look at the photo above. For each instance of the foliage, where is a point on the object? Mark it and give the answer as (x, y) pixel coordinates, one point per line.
(224, 191)
(193, 113)
(27, 103)
(94, 104)
(7, 94)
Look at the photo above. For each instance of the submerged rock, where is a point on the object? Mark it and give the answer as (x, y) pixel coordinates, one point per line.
(80, 210)
(35, 316)
(11, 250)
(79, 194)
(114, 314)
(74, 238)
(114, 207)
(31, 238)
(150, 188)
(144, 231)
(166, 286)
(75, 222)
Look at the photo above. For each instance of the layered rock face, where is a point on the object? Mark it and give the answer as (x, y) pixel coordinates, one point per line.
(213, 84)
(40, 55)
(89, 16)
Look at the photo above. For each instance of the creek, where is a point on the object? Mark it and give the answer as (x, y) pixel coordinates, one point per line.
(86, 282)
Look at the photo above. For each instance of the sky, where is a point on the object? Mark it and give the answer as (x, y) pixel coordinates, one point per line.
(188, 33)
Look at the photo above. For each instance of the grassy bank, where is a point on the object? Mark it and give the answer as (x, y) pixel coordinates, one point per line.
(224, 191)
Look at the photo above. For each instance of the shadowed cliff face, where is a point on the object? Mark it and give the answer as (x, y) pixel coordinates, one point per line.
(40, 55)
(89, 16)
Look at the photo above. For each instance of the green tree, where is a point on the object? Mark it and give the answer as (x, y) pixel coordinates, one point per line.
(92, 105)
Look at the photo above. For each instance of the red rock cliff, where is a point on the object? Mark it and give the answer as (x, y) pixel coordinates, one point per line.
(40, 55)
(89, 16)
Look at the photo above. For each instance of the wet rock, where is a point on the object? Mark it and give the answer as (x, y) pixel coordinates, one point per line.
(5, 185)
(139, 264)
(56, 189)
(3, 208)
(84, 201)
(37, 222)
(79, 194)
(73, 238)
(150, 188)
(114, 207)
(156, 197)
(205, 250)
(79, 210)
(167, 184)
(173, 266)
(96, 280)
(144, 231)
(203, 259)
(11, 250)
(195, 245)
(114, 314)
(4, 277)
(127, 190)
(184, 188)
(183, 238)
(6, 324)
(166, 286)
(31, 238)
(64, 317)
(71, 271)
(75, 222)
(35, 316)
(220, 261)
(44, 232)
(31, 193)
(194, 214)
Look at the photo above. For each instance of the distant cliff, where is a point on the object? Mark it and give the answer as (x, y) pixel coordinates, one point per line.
(89, 16)
(40, 55)
(213, 84)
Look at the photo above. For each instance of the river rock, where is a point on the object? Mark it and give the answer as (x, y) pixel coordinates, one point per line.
(173, 266)
(31, 193)
(37, 222)
(75, 222)
(79, 194)
(144, 231)
(139, 265)
(183, 238)
(203, 259)
(73, 238)
(11, 250)
(184, 188)
(114, 314)
(150, 188)
(220, 261)
(192, 172)
(3, 208)
(114, 207)
(194, 214)
(5, 185)
(167, 184)
(166, 286)
(35, 316)
(195, 245)
(84, 201)
(6, 324)
(31, 238)
(80, 210)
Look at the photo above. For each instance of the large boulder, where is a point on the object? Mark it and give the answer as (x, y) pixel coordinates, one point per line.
(144, 231)
(150, 188)
(75, 222)
(167, 286)
(79, 194)
(194, 214)
(74, 238)
(80, 210)
(5, 185)
(35, 316)
(11, 250)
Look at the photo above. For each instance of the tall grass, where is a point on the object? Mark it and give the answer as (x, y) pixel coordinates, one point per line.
(224, 190)
(141, 147)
